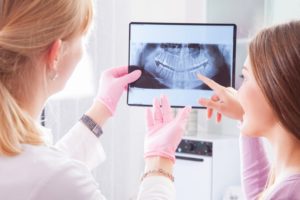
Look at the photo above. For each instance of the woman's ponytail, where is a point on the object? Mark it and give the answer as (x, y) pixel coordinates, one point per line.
(16, 126)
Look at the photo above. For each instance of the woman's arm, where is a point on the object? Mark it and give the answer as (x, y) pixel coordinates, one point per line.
(157, 186)
(255, 166)
(81, 144)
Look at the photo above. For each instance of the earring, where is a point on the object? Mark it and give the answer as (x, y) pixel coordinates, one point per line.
(53, 73)
(53, 76)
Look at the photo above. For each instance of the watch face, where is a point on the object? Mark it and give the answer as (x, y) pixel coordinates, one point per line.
(97, 130)
(91, 125)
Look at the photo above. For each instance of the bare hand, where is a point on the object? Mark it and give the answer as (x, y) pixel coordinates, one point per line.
(224, 101)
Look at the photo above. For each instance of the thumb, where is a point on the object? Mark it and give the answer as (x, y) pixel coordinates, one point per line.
(131, 77)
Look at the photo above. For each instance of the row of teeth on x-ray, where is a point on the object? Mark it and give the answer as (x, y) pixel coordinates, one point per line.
(180, 67)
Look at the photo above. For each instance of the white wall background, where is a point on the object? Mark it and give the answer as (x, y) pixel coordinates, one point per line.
(280, 11)
(123, 135)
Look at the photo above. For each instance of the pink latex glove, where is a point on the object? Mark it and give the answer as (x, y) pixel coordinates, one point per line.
(164, 132)
(112, 83)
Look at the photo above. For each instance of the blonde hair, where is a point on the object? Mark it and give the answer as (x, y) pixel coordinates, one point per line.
(27, 29)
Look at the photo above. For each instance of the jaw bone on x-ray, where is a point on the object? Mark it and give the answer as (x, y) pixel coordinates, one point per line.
(175, 65)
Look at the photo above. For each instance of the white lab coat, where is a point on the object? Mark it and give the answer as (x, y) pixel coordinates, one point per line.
(62, 172)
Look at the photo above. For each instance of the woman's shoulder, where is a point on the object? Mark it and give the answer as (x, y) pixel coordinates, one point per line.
(38, 169)
(38, 161)
(68, 179)
(288, 189)
(46, 156)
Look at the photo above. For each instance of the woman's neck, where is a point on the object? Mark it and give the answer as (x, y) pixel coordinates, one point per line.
(34, 110)
(36, 96)
(286, 148)
(34, 105)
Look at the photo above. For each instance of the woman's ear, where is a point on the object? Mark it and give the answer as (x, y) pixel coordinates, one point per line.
(53, 54)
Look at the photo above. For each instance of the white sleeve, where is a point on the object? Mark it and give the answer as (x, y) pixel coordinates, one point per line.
(158, 188)
(72, 180)
(81, 144)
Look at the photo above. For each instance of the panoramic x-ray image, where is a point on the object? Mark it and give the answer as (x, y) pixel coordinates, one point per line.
(175, 65)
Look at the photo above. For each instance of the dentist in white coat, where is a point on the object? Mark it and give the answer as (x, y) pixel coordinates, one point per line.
(40, 45)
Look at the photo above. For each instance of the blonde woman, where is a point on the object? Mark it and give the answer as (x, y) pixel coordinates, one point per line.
(40, 45)
(268, 105)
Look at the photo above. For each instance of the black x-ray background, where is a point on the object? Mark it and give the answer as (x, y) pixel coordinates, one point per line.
(144, 57)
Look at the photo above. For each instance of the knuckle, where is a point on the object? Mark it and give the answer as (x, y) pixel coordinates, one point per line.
(209, 104)
(222, 107)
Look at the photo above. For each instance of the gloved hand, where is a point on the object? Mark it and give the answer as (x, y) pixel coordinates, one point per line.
(112, 83)
(164, 132)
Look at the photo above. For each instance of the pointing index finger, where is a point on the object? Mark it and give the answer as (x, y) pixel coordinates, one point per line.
(212, 84)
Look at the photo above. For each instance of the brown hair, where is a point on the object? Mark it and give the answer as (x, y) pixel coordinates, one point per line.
(27, 29)
(275, 57)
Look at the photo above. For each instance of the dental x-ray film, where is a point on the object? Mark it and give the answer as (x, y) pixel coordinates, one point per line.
(170, 55)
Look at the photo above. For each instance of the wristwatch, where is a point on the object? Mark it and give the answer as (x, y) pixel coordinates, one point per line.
(92, 125)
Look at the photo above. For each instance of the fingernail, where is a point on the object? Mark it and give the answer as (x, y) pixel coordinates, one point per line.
(202, 101)
(199, 76)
